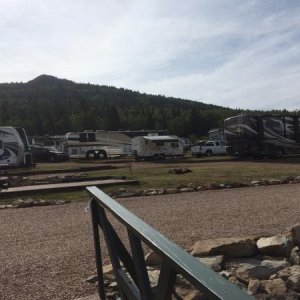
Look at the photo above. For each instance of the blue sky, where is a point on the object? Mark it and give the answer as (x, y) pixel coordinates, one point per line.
(241, 54)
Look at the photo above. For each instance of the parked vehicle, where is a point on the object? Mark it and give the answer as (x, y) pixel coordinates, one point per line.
(51, 154)
(14, 148)
(208, 148)
(217, 134)
(262, 135)
(156, 147)
(96, 144)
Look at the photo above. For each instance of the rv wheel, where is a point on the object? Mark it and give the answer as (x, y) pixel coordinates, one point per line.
(102, 154)
(90, 155)
(208, 153)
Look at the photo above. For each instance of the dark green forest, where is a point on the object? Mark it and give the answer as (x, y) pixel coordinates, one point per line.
(48, 105)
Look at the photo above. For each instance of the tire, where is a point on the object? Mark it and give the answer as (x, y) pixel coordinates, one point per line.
(102, 154)
(208, 153)
(90, 155)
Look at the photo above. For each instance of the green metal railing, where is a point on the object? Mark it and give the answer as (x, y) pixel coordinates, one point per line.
(175, 260)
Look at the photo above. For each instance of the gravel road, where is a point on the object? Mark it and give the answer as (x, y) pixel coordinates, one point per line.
(47, 252)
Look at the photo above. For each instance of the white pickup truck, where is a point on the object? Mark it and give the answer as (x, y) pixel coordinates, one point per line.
(208, 148)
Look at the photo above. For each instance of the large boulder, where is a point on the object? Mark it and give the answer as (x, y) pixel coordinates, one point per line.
(231, 247)
(279, 245)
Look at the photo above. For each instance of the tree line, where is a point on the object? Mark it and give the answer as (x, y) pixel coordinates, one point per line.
(48, 105)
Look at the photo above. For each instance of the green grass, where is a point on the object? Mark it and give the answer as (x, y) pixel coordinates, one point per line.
(156, 175)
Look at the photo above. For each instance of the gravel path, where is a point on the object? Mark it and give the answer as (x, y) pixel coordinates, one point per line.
(47, 252)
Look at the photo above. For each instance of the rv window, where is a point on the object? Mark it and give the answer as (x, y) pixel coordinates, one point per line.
(82, 137)
(91, 136)
(174, 145)
(159, 143)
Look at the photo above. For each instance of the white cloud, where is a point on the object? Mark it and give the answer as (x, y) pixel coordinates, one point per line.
(233, 53)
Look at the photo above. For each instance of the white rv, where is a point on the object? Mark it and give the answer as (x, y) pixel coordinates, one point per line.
(156, 147)
(96, 144)
(14, 148)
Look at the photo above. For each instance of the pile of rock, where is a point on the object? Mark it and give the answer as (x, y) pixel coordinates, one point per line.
(28, 202)
(265, 267)
(179, 171)
(193, 187)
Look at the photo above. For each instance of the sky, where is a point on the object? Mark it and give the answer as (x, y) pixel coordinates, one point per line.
(233, 53)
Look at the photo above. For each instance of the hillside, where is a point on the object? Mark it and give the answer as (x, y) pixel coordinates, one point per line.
(48, 105)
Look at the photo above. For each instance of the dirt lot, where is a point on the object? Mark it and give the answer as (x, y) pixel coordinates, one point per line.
(47, 252)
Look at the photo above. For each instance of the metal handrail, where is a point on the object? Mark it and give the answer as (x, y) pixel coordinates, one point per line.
(175, 259)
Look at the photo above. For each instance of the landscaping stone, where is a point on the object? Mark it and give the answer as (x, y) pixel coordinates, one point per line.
(187, 189)
(253, 287)
(152, 258)
(274, 286)
(248, 271)
(279, 245)
(295, 256)
(171, 191)
(287, 272)
(213, 262)
(293, 282)
(295, 233)
(275, 265)
(231, 247)
(212, 186)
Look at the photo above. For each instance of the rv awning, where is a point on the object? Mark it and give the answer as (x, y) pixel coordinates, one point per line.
(161, 138)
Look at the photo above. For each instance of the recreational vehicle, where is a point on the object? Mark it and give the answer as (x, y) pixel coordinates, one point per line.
(14, 148)
(262, 135)
(217, 134)
(156, 147)
(96, 144)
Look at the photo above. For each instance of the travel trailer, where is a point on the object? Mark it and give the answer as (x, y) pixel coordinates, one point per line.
(156, 147)
(96, 144)
(262, 135)
(14, 148)
(217, 134)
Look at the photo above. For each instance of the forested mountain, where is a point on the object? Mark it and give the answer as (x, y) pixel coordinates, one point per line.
(48, 105)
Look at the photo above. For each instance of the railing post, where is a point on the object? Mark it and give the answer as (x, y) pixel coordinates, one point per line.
(95, 222)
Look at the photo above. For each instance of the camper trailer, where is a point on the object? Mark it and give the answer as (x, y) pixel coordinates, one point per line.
(156, 147)
(96, 144)
(262, 135)
(14, 148)
(217, 134)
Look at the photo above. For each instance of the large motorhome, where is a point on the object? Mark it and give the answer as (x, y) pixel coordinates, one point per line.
(262, 135)
(14, 148)
(156, 147)
(96, 144)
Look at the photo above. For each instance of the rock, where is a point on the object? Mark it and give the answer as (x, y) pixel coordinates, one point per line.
(59, 202)
(275, 181)
(248, 271)
(295, 256)
(274, 286)
(255, 182)
(125, 194)
(225, 274)
(179, 171)
(151, 193)
(278, 245)
(253, 287)
(231, 247)
(152, 258)
(195, 295)
(275, 265)
(287, 272)
(92, 279)
(187, 189)
(153, 276)
(235, 281)
(213, 262)
(171, 191)
(212, 186)
(295, 233)
(297, 178)
(201, 188)
(293, 282)
(161, 192)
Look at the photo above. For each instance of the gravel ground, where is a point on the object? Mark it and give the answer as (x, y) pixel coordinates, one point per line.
(47, 252)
